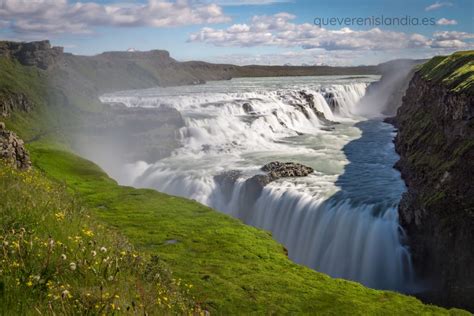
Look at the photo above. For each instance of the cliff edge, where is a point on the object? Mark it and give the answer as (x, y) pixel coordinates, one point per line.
(436, 146)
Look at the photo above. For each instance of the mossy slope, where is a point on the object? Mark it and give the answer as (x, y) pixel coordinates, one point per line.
(455, 71)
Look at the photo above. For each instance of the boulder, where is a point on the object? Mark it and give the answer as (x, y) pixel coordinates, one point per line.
(248, 108)
(277, 169)
(12, 149)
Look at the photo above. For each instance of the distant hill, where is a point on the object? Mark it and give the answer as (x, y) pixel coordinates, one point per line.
(112, 71)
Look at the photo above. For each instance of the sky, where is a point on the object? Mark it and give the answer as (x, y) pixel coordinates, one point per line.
(297, 32)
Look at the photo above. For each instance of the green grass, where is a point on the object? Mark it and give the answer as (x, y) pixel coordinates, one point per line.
(57, 259)
(455, 71)
(236, 269)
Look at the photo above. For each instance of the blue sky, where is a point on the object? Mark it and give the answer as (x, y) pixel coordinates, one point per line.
(247, 31)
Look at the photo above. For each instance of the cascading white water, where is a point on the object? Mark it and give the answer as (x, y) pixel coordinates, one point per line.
(341, 220)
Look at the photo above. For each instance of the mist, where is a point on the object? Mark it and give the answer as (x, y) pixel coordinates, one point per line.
(384, 97)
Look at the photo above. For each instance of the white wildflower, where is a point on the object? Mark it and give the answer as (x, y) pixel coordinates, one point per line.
(72, 266)
(65, 294)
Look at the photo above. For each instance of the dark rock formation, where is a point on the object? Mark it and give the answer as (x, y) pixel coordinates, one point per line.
(277, 169)
(331, 101)
(252, 187)
(248, 108)
(12, 149)
(436, 147)
(309, 99)
(10, 102)
(39, 54)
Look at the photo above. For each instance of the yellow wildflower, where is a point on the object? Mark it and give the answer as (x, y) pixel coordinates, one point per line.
(88, 232)
(60, 216)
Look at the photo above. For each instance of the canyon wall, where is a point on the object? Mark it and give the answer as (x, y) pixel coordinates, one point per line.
(436, 146)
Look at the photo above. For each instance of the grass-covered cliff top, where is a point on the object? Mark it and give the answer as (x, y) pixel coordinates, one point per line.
(455, 71)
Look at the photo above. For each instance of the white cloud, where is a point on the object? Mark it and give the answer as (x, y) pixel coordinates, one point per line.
(62, 16)
(452, 39)
(438, 5)
(452, 35)
(449, 44)
(279, 30)
(444, 21)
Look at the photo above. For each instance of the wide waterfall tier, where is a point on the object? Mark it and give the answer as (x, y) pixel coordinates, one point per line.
(341, 219)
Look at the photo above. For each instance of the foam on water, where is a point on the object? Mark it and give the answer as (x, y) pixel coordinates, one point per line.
(341, 220)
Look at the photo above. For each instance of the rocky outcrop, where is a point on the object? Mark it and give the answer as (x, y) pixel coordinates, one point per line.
(253, 186)
(277, 169)
(309, 105)
(436, 146)
(248, 108)
(39, 54)
(10, 102)
(331, 101)
(12, 149)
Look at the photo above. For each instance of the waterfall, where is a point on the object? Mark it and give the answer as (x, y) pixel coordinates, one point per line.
(342, 220)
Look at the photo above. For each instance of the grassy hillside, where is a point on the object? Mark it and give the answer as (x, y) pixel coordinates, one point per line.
(235, 269)
(56, 259)
(17, 79)
(50, 113)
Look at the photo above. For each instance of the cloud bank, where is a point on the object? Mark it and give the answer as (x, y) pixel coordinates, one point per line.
(62, 16)
(279, 30)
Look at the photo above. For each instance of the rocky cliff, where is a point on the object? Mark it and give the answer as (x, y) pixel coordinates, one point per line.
(436, 146)
(10, 102)
(40, 54)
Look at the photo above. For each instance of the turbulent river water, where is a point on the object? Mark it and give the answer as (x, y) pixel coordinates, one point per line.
(341, 220)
